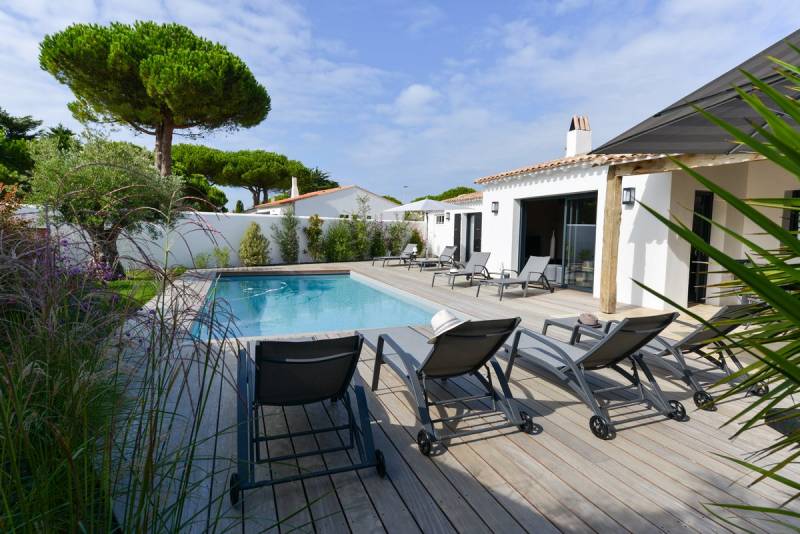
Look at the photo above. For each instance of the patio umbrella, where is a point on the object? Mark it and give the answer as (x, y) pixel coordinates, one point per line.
(680, 129)
(426, 206)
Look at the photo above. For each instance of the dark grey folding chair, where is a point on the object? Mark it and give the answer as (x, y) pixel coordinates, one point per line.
(407, 254)
(531, 274)
(571, 365)
(441, 261)
(669, 353)
(463, 351)
(291, 373)
(476, 266)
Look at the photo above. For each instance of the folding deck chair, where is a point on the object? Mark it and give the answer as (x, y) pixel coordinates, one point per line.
(408, 254)
(443, 259)
(532, 273)
(669, 353)
(476, 266)
(462, 351)
(570, 365)
(292, 373)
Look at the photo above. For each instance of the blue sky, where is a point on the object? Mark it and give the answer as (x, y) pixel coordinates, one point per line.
(412, 97)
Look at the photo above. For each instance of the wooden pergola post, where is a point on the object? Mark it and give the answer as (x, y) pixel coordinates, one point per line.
(612, 216)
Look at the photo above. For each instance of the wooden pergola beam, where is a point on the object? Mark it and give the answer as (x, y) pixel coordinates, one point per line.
(612, 216)
(665, 164)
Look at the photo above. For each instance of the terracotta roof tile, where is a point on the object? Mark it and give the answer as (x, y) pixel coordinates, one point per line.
(466, 197)
(594, 160)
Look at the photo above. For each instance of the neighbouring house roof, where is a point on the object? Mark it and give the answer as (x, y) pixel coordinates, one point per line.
(679, 128)
(593, 160)
(292, 200)
(466, 197)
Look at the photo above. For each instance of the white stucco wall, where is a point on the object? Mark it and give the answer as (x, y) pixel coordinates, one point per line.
(501, 232)
(441, 235)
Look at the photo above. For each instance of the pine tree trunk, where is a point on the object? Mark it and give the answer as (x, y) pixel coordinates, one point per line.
(163, 151)
(106, 253)
(256, 195)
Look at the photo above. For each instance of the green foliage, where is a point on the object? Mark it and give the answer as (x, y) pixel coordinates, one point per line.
(338, 241)
(155, 78)
(202, 260)
(104, 187)
(450, 193)
(22, 128)
(254, 247)
(65, 138)
(398, 234)
(771, 336)
(393, 199)
(285, 234)
(222, 257)
(201, 195)
(239, 207)
(416, 238)
(314, 238)
(377, 240)
(309, 180)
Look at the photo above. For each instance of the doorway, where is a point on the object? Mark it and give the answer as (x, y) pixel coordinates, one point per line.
(563, 228)
(474, 230)
(698, 260)
(457, 235)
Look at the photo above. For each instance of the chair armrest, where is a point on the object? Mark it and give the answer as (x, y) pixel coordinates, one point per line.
(685, 323)
(504, 271)
(594, 332)
(550, 344)
(609, 324)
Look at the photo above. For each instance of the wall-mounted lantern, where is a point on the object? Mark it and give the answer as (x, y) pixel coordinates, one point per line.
(495, 207)
(628, 196)
(447, 215)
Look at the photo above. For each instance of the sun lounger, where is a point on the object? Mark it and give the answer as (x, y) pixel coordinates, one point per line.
(573, 366)
(292, 373)
(476, 266)
(704, 340)
(442, 261)
(531, 274)
(408, 254)
(465, 350)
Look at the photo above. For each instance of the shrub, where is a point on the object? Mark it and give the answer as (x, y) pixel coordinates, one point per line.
(314, 238)
(397, 236)
(285, 234)
(202, 260)
(254, 247)
(377, 240)
(222, 257)
(239, 207)
(416, 238)
(338, 241)
(359, 232)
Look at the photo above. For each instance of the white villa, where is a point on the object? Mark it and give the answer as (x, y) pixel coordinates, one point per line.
(583, 209)
(339, 202)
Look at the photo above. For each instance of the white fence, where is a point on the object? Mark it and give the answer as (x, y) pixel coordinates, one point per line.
(199, 233)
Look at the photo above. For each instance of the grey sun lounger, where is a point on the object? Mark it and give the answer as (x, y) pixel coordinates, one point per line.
(442, 261)
(531, 274)
(465, 350)
(476, 266)
(293, 373)
(573, 365)
(408, 254)
(669, 353)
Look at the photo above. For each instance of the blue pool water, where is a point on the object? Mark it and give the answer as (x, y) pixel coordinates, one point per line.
(269, 305)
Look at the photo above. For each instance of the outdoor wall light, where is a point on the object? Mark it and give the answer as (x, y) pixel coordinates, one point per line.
(628, 196)
(447, 215)
(495, 207)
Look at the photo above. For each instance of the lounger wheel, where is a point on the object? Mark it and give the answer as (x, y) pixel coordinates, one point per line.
(759, 390)
(599, 427)
(235, 491)
(425, 442)
(527, 425)
(678, 411)
(380, 463)
(704, 401)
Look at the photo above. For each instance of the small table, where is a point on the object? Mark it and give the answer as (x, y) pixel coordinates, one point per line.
(576, 328)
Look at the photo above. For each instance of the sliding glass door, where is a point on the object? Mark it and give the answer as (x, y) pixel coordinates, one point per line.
(580, 225)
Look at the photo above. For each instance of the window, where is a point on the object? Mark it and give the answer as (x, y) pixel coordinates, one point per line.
(440, 219)
(344, 216)
(791, 218)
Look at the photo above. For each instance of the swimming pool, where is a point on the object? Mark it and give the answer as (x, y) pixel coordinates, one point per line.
(273, 305)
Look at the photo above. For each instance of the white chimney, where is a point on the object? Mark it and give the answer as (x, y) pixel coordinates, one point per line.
(579, 136)
(295, 190)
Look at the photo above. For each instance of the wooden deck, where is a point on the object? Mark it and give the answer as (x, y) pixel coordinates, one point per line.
(656, 476)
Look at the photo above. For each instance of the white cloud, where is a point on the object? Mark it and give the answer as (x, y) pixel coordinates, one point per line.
(414, 105)
(422, 17)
